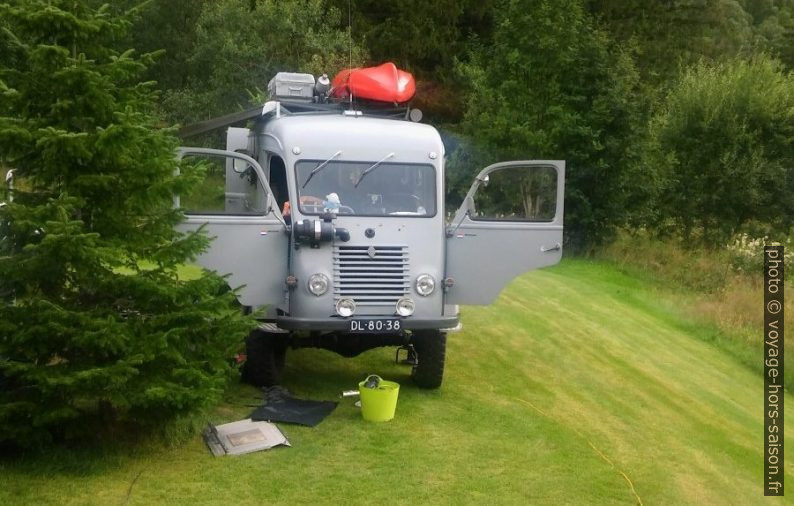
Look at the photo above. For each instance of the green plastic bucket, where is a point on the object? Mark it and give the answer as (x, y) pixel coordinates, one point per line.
(379, 404)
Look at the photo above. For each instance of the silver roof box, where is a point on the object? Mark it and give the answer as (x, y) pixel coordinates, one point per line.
(292, 86)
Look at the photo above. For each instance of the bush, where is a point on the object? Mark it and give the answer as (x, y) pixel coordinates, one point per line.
(747, 254)
(722, 150)
(669, 261)
(89, 338)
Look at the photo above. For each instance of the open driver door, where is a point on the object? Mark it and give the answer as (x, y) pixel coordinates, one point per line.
(237, 209)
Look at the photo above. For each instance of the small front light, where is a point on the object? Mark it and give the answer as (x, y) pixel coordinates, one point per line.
(405, 307)
(318, 284)
(425, 284)
(345, 307)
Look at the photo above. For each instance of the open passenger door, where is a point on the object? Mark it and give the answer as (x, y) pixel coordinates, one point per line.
(510, 222)
(236, 206)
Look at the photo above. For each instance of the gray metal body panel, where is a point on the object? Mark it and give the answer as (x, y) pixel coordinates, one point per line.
(483, 256)
(318, 136)
(424, 254)
(360, 138)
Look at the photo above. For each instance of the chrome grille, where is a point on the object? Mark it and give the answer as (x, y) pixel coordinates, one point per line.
(371, 275)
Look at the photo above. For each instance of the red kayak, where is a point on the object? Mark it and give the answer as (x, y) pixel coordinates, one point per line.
(384, 83)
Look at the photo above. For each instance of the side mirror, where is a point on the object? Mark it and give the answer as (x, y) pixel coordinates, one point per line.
(245, 170)
(240, 166)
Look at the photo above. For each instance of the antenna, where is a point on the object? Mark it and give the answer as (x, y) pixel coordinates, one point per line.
(350, 48)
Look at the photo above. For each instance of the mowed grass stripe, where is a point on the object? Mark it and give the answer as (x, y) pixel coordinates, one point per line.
(649, 389)
(577, 376)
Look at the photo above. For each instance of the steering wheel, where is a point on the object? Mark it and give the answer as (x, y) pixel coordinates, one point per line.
(403, 201)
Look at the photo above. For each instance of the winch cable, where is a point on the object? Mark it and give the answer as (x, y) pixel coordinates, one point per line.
(596, 450)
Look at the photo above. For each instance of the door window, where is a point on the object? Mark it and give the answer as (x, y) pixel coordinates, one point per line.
(225, 186)
(517, 193)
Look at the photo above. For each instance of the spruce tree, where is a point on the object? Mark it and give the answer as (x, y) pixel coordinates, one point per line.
(96, 324)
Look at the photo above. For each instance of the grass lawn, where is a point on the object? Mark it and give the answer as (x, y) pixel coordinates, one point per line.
(579, 386)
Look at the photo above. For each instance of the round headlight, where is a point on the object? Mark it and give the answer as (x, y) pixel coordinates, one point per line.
(345, 307)
(405, 307)
(318, 284)
(425, 284)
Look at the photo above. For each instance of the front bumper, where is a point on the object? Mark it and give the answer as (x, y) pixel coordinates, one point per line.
(448, 323)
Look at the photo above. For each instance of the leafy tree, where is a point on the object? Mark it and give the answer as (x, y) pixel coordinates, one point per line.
(167, 25)
(670, 35)
(422, 36)
(241, 45)
(550, 86)
(774, 22)
(96, 324)
(722, 149)
(425, 38)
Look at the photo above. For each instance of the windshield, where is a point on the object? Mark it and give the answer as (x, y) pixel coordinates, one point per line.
(391, 189)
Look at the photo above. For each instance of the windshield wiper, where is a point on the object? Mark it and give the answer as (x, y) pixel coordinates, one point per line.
(371, 168)
(319, 168)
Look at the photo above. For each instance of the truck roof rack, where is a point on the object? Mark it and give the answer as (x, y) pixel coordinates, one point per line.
(289, 107)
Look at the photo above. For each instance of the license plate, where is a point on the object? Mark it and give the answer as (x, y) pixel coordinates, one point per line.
(376, 325)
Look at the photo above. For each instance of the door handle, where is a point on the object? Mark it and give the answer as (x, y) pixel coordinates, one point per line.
(556, 247)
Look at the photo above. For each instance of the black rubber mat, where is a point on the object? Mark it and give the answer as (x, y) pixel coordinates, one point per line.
(281, 407)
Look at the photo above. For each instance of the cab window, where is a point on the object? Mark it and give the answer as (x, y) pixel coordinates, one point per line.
(366, 188)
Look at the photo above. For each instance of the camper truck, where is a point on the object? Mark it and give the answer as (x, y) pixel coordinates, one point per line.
(328, 217)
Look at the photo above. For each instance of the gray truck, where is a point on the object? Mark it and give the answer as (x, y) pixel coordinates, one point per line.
(330, 220)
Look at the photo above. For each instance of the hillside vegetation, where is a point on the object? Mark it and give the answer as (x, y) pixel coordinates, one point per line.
(581, 385)
(722, 288)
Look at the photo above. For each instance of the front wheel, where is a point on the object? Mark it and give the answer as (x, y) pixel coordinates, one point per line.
(431, 347)
(265, 357)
